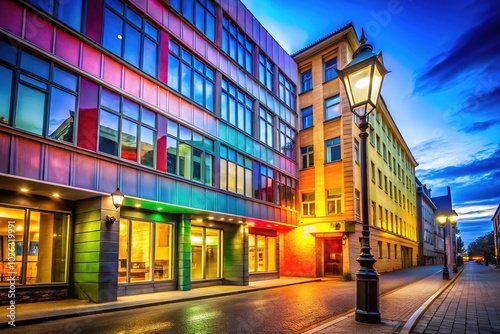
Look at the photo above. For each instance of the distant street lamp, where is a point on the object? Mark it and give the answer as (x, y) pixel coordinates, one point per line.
(442, 219)
(362, 79)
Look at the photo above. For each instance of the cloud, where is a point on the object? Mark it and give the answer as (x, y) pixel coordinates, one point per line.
(483, 99)
(480, 126)
(476, 50)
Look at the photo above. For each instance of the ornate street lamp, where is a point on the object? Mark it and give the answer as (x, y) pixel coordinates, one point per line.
(362, 79)
(442, 219)
(117, 199)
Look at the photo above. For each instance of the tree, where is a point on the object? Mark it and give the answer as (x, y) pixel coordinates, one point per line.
(460, 243)
(483, 246)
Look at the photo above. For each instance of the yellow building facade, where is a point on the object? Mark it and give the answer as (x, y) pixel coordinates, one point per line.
(328, 239)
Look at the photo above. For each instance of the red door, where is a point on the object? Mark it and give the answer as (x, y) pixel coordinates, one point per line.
(332, 256)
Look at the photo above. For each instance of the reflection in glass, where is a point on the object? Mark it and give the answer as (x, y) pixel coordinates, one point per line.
(140, 251)
(197, 253)
(123, 252)
(12, 219)
(147, 147)
(108, 133)
(64, 78)
(132, 45)
(35, 65)
(112, 36)
(30, 109)
(5, 93)
(149, 57)
(70, 13)
(184, 160)
(162, 251)
(171, 155)
(129, 140)
(212, 253)
(61, 115)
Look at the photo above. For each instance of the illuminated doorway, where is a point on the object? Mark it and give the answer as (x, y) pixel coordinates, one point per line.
(332, 256)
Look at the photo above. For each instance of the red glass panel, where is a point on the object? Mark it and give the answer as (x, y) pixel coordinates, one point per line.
(11, 17)
(39, 31)
(164, 40)
(87, 115)
(85, 172)
(57, 165)
(91, 60)
(155, 10)
(174, 24)
(5, 152)
(163, 99)
(161, 144)
(27, 157)
(150, 92)
(112, 72)
(94, 21)
(68, 47)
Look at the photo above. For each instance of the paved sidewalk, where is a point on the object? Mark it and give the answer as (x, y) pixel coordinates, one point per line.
(396, 308)
(471, 305)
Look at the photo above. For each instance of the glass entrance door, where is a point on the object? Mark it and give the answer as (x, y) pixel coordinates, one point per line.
(332, 256)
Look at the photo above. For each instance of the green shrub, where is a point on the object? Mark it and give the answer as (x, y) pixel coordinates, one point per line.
(346, 276)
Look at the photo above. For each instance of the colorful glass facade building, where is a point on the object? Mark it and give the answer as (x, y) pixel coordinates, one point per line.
(187, 106)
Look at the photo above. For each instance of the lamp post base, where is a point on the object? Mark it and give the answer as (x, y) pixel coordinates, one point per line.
(446, 273)
(367, 294)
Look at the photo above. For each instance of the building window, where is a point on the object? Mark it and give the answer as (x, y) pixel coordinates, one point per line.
(306, 81)
(266, 70)
(35, 246)
(45, 95)
(388, 250)
(263, 179)
(201, 13)
(266, 127)
(358, 202)
(373, 212)
(69, 13)
(130, 36)
(136, 263)
(205, 253)
(330, 66)
(307, 154)
(395, 251)
(332, 147)
(373, 172)
(190, 76)
(334, 201)
(379, 173)
(307, 117)
(286, 140)
(332, 107)
(286, 191)
(235, 172)
(286, 91)
(126, 129)
(236, 107)
(189, 154)
(356, 150)
(261, 253)
(237, 45)
(308, 204)
(380, 250)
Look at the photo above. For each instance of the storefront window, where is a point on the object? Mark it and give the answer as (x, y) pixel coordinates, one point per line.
(144, 260)
(44, 255)
(205, 253)
(262, 253)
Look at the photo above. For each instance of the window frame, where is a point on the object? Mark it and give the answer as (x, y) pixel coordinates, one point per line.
(329, 67)
(332, 146)
(306, 81)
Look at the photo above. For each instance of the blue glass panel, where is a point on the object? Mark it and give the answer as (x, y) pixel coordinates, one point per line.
(134, 18)
(132, 50)
(71, 13)
(199, 16)
(148, 117)
(223, 152)
(34, 65)
(150, 57)
(34, 82)
(172, 128)
(209, 95)
(30, 109)
(116, 5)
(130, 109)
(186, 82)
(110, 100)
(176, 4)
(187, 10)
(186, 57)
(8, 52)
(47, 6)
(197, 139)
(64, 79)
(198, 88)
(210, 30)
(209, 145)
(61, 115)
(185, 134)
(108, 133)
(151, 31)
(173, 72)
(5, 94)
(113, 32)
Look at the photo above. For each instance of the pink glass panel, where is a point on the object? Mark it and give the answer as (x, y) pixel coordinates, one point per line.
(198, 117)
(132, 82)
(39, 31)
(188, 35)
(57, 165)
(241, 14)
(186, 111)
(155, 9)
(174, 24)
(164, 39)
(5, 151)
(87, 115)
(85, 172)
(11, 17)
(173, 104)
(201, 45)
(129, 181)
(68, 47)
(27, 157)
(150, 92)
(212, 54)
(140, 3)
(165, 17)
(163, 99)
(91, 60)
(112, 72)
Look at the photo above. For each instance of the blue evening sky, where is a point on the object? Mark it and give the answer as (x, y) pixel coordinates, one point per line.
(443, 90)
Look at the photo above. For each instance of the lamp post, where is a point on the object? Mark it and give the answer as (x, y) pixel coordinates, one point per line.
(362, 79)
(442, 220)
